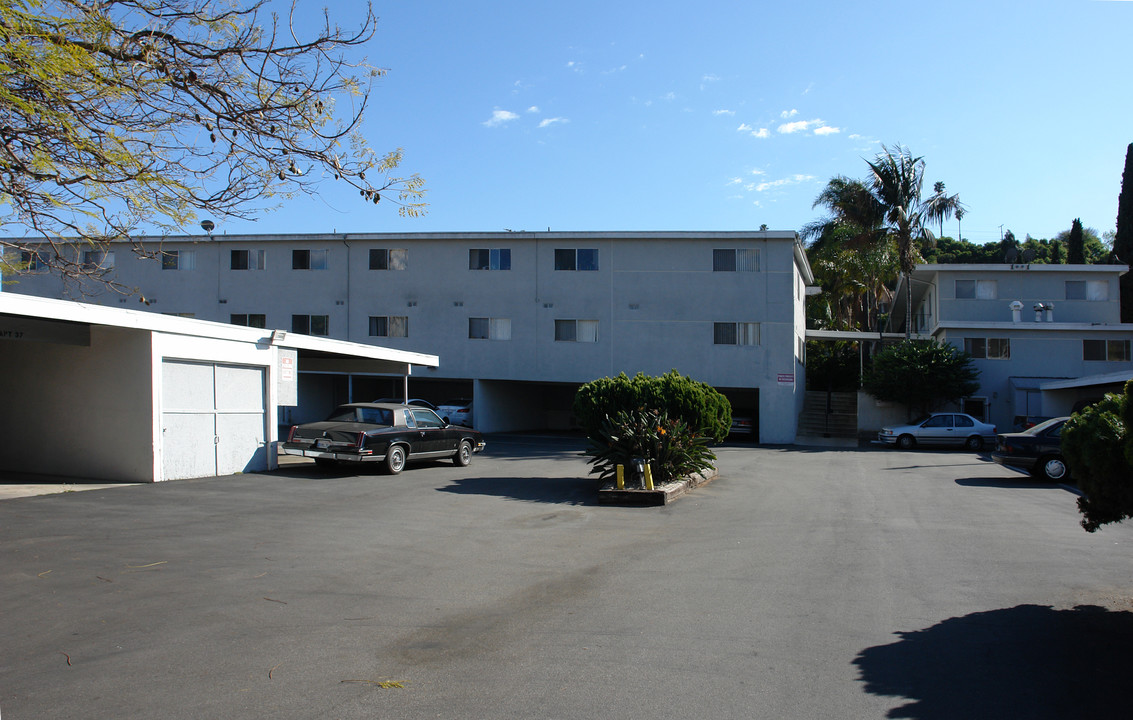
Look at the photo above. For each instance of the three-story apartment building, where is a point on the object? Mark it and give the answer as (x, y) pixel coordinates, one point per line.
(518, 319)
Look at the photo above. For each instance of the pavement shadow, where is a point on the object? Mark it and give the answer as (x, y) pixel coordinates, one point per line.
(558, 491)
(1025, 482)
(1029, 661)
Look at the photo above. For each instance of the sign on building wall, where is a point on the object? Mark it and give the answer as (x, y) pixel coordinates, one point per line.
(287, 374)
(786, 378)
(47, 331)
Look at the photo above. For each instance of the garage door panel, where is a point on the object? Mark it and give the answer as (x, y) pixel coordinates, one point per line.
(188, 446)
(239, 388)
(187, 386)
(240, 446)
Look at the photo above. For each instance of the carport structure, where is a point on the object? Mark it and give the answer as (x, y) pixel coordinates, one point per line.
(121, 395)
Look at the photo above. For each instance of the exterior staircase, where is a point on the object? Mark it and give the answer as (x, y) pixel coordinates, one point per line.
(840, 422)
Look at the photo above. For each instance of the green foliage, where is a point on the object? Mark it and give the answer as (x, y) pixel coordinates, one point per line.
(1098, 445)
(1075, 244)
(1123, 240)
(921, 374)
(697, 404)
(672, 447)
(122, 114)
(834, 366)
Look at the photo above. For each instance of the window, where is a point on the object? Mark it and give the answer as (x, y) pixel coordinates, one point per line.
(581, 259)
(392, 259)
(1111, 350)
(576, 331)
(962, 421)
(735, 260)
(1093, 290)
(255, 320)
(976, 290)
(392, 326)
(308, 259)
(489, 259)
(97, 259)
(310, 324)
(938, 421)
(249, 259)
(33, 260)
(489, 328)
(988, 348)
(735, 333)
(178, 260)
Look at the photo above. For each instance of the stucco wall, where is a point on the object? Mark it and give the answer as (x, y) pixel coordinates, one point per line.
(94, 412)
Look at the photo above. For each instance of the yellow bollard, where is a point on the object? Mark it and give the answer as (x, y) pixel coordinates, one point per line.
(621, 478)
(648, 477)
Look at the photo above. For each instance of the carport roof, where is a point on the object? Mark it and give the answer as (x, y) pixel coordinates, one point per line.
(23, 311)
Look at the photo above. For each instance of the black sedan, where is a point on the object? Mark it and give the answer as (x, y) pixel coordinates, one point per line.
(1037, 450)
(388, 433)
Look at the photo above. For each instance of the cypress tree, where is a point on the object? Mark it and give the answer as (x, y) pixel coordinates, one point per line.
(1076, 245)
(1123, 241)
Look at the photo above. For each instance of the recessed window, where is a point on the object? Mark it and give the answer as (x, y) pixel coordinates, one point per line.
(310, 324)
(976, 290)
(489, 259)
(735, 260)
(1092, 290)
(581, 259)
(308, 259)
(256, 320)
(389, 259)
(33, 260)
(489, 328)
(576, 331)
(735, 333)
(389, 326)
(178, 260)
(988, 348)
(97, 259)
(1106, 350)
(249, 259)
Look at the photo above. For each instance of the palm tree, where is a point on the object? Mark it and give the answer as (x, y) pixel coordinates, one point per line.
(895, 183)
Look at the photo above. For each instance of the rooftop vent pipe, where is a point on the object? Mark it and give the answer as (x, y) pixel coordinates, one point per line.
(1016, 311)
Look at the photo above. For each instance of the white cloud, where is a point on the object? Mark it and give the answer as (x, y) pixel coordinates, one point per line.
(827, 130)
(761, 133)
(670, 96)
(792, 180)
(744, 127)
(710, 78)
(533, 109)
(796, 126)
(724, 112)
(547, 122)
(499, 117)
(788, 114)
(736, 181)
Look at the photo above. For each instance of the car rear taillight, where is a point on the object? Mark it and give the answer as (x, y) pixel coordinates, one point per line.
(291, 433)
(361, 439)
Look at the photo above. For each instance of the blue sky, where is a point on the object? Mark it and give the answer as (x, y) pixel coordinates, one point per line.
(724, 116)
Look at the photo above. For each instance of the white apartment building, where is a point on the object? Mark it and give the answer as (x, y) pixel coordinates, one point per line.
(518, 320)
(1045, 338)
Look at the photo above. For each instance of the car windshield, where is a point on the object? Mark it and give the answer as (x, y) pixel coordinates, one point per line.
(920, 420)
(1043, 426)
(369, 416)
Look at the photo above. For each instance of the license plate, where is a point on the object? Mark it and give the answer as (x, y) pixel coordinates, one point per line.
(322, 444)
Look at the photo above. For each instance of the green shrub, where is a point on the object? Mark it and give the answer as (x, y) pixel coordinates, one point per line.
(921, 374)
(1098, 445)
(697, 404)
(672, 447)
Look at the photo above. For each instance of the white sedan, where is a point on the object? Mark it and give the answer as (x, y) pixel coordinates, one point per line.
(940, 429)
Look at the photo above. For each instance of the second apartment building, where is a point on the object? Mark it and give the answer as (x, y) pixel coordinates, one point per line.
(518, 320)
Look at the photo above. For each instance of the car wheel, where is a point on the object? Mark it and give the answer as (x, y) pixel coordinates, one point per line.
(1052, 468)
(395, 459)
(975, 442)
(906, 442)
(463, 454)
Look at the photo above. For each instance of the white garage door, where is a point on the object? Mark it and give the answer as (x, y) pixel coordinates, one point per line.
(213, 419)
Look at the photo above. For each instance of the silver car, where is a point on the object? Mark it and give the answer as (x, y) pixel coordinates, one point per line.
(940, 429)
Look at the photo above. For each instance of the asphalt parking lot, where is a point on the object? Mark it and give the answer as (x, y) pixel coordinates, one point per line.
(802, 583)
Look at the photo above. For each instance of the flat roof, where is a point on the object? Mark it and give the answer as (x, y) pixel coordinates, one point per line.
(37, 308)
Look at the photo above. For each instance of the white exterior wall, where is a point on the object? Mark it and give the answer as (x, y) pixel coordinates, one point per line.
(655, 297)
(95, 413)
